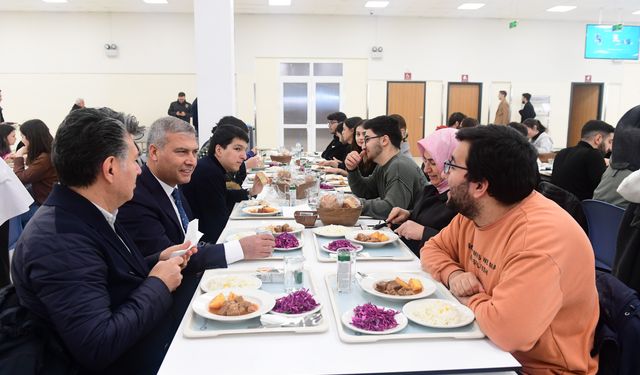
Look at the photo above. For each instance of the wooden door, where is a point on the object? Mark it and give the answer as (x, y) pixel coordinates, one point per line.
(465, 97)
(585, 105)
(407, 100)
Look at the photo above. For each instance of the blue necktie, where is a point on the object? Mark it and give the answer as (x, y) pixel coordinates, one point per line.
(183, 214)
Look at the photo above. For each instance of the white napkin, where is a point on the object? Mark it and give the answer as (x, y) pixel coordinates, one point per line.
(270, 319)
(630, 187)
(193, 234)
(15, 198)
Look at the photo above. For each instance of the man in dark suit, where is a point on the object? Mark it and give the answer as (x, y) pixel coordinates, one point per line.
(527, 111)
(79, 271)
(207, 191)
(579, 169)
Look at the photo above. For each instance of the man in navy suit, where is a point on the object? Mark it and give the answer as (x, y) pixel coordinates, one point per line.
(78, 270)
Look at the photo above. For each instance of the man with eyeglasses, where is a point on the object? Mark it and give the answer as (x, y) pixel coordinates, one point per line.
(335, 149)
(396, 182)
(515, 258)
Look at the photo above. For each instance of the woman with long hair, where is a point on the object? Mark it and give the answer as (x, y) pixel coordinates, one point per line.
(37, 170)
(538, 136)
(346, 134)
(367, 166)
(7, 139)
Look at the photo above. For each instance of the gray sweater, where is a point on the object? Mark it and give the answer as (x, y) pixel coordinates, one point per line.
(398, 183)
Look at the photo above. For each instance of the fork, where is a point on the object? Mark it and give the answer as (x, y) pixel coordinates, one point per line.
(380, 225)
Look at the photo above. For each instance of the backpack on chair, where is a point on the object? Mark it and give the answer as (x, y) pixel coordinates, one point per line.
(27, 345)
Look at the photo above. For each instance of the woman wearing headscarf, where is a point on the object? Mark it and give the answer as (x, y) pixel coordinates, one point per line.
(430, 213)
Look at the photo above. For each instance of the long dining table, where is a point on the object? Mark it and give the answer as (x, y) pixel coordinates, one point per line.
(324, 352)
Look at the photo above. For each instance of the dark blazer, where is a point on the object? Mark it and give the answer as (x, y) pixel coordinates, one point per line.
(527, 112)
(578, 170)
(209, 197)
(71, 269)
(431, 212)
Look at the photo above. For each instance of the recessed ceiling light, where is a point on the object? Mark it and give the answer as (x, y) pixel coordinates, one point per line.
(376, 4)
(637, 12)
(55, 1)
(561, 8)
(471, 6)
(279, 3)
(155, 1)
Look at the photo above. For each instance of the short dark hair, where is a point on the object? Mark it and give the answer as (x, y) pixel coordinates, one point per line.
(519, 127)
(39, 138)
(456, 117)
(84, 140)
(503, 158)
(593, 127)
(503, 92)
(469, 122)
(534, 124)
(181, 94)
(234, 121)
(5, 130)
(385, 125)
(527, 96)
(224, 135)
(402, 123)
(337, 116)
(352, 122)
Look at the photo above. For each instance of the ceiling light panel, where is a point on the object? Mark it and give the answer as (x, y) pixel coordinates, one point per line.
(471, 6)
(561, 8)
(280, 3)
(376, 4)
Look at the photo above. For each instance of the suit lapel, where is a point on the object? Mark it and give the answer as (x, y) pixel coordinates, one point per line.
(160, 196)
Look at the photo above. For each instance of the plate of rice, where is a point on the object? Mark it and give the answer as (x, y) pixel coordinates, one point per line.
(217, 282)
(438, 313)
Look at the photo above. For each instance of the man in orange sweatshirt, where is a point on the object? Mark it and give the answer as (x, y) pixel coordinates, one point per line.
(518, 260)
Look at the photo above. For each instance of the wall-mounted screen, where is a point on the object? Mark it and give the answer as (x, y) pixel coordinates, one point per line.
(602, 42)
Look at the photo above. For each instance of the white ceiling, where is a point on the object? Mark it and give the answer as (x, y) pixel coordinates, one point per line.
(609, 11)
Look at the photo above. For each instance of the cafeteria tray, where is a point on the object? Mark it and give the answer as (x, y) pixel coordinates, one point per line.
(199, 327)
(393, 251)
(342, 302)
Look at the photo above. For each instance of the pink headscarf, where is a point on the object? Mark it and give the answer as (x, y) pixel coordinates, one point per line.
(440, 145)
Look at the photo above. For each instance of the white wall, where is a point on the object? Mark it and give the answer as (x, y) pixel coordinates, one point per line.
(49, 59)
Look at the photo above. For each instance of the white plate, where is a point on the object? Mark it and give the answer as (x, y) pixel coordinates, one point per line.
(345, 189)
(338, 183)
(314, 310)
(463, 315)
(264, 300)
(297, 228)
(352, 237)
(334, 177)
(325, 247)
(400, 319)
(249, 211)
(332, 231)
(368, 284)
(239, 235)
(217, 282)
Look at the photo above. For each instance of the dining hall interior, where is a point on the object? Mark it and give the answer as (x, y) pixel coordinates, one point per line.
(288, 73)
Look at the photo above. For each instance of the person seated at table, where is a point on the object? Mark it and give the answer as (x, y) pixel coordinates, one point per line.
(346, 135)
(537, 134)
(396, 182)
(207, 192)
(405, 149)
(520, 128)
(78, 271)
(516, 259)
(626, 265)
(335, 149)
(430, 213)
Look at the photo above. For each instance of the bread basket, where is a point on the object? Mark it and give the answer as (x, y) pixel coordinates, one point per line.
(306, 218)
(339, 216)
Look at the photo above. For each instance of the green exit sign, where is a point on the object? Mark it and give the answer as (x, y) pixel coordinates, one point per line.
(513, 24)
(616, 27)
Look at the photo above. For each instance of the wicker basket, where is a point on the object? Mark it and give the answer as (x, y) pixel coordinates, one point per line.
(339, 216)
(301, 189)
(306, 218)
(285, 159)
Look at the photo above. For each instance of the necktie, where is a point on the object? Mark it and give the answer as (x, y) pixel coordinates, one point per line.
(184, 219)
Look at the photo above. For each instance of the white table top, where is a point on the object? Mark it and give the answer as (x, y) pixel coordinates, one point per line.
(324, 353)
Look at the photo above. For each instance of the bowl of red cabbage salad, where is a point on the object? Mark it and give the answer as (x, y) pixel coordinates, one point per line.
(298, 302)
(339, 244)
(286, 241)
(373, 318)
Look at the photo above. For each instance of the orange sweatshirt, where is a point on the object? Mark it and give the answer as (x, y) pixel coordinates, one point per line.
(537, 267)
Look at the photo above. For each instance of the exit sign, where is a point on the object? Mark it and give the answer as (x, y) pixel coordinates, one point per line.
(513, 24)
(616, 27)
(587, 78)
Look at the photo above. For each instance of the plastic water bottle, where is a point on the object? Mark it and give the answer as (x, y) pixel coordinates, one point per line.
(292, 195)
(346, 269)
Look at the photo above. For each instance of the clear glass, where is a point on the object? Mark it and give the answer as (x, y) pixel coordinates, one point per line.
(293, 273)
(295, 69)
(346, 269)
(294, 100)
(327, 100)
(327, 69)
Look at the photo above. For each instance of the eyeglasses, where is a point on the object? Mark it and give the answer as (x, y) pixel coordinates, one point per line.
(366, 139)
(448, 165)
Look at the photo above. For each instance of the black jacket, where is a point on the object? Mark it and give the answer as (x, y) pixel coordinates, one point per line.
(578, 170)
(176, 107)
(626, 265)
(527, 112)
(335, 149)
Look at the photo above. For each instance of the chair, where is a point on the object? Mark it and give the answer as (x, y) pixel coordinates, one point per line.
(603, 220)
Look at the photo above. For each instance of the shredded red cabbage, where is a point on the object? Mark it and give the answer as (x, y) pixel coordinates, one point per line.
(297, 302)
(324, 186)
(337, 244)
(286, 241)
(373, 318)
